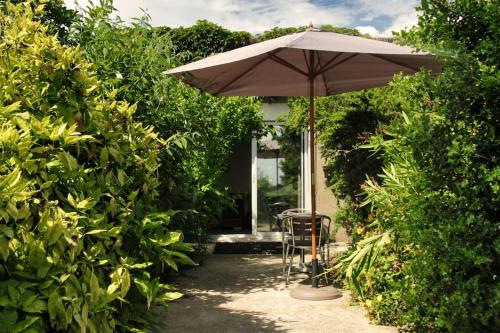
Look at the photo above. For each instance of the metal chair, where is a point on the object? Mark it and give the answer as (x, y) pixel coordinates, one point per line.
(299, 229)
(275, 209)
(283, 218)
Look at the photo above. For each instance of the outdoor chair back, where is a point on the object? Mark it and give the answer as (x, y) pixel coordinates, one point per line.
(300, 229)
(297, 235)
(275, 210)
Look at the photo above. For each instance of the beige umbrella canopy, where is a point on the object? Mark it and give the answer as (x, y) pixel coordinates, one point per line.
(310, 63)
(282, 66)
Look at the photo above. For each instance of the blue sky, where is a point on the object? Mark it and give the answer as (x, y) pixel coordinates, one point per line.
(377, 17)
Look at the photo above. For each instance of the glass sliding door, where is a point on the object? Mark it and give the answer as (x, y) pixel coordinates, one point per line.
(277, 175)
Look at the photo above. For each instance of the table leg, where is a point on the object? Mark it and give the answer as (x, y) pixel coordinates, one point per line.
(302, 263)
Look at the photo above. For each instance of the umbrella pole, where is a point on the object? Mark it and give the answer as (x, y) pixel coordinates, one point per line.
(312, 152)
(304, 291)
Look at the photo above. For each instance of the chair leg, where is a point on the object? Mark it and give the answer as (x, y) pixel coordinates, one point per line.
(326, 265)
(324, 262)
(286, 253)
(290, 265)
(321, 254)
(285, 260)
(283, 245)
(328, 254)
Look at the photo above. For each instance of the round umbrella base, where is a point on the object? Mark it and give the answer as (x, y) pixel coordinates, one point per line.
(308, 293)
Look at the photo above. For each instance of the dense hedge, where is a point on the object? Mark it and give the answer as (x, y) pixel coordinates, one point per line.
(203, 39)
(344, 124)
(455, 230)
(81, 245)
(428, 258)
(132, 59)
(416, 167)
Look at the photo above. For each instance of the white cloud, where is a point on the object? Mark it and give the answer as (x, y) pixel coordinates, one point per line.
(368, 29)
(401, 22)
(400, 14)
(370, 9)
(258, 15)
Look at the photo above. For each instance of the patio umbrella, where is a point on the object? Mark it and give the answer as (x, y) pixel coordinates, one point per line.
(310, 63)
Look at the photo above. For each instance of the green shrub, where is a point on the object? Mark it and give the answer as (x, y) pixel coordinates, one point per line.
(454, 227)
(344, 123)
(56, 16)
(439, 196)
(376, 269)
(203, 39)
(278, 32)
(81, 244)
(132, 59)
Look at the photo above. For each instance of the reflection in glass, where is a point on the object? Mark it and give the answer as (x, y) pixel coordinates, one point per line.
(278, 176)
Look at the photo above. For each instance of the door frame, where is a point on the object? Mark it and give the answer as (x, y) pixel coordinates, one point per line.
(304, 188)
(304, 199)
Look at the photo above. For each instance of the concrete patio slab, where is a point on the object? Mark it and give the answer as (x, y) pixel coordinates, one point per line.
(247, 294)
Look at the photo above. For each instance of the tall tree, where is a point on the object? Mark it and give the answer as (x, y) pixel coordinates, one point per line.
(203, 39)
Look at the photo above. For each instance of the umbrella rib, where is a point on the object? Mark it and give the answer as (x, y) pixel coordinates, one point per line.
(324, 82)
(318, 63)
(316, 71)
(240, 75)
(305, 60)
(285, 63)
(330, 61)
(395, 62)
(338, 63)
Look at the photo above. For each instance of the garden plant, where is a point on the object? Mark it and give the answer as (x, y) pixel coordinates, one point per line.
(103, 159)
(425, 220)
(131, 59)
(81, 243)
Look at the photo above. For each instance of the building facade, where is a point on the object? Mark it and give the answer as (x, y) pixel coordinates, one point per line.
(269, 175)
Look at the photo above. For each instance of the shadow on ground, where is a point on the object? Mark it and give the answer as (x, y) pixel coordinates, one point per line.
(247, 294)
(216, 283)
(236, 274)
(207, 314)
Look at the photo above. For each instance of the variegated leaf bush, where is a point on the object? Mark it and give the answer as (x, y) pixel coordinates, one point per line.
(81, 243)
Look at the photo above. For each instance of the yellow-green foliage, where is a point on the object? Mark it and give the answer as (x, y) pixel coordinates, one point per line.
(77, 183)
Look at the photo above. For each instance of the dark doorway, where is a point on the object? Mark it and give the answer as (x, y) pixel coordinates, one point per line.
(238, 220)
